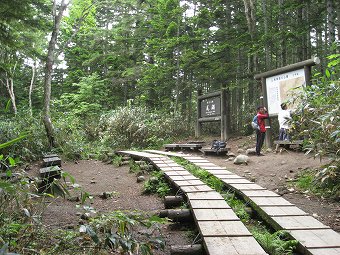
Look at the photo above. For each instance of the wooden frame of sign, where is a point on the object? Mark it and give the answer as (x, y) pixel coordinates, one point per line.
(274, 83)
(210, 108)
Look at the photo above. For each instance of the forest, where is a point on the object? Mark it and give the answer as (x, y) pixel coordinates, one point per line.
(81, 76)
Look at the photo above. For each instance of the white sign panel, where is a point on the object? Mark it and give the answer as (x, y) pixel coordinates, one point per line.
(280, 88)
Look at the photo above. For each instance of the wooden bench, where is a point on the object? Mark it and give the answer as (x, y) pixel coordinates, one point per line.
(288, 142)
(180, 146)
(297, 144)
(221, 151)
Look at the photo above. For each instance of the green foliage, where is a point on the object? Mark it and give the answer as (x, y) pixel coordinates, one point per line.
(238, 206)
(128, 127)
(318, 120)
(308, 181)
(276, 243)
(157, 184)
(121, 231)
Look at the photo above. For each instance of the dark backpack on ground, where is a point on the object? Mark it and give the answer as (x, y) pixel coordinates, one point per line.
(217, 145)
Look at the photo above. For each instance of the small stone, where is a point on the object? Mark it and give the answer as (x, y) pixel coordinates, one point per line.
(85, 216)
(291, 189)
(140, 178)
(272, 175)
(315, 215)
(241, 159)
(286, 177)
(93, 182)
(230, 154)
(251, 151)
(283, 162)
(153, 179)
(240, 150)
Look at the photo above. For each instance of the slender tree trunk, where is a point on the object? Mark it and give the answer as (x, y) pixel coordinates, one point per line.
(249, 8)
(282, 29)
(265, 25)
(34, 67)
(48, 71)
(331, 22)
(10, 88)
(338, 19)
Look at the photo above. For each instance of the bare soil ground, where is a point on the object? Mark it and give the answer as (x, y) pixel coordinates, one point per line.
(272, 171)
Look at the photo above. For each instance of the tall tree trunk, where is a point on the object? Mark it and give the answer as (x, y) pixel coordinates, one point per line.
(49, 69)
(250, 11)
(34, 67)
(331, 22)
(282, 28)
(337, 7)
(10, 88)
(265, 25)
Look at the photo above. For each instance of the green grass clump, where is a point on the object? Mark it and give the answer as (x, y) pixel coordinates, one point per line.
(274, 243)
(157, 184)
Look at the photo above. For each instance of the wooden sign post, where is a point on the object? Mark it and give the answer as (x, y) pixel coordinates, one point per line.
(212, 107)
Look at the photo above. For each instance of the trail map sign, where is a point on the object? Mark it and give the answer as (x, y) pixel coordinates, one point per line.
(211, 107)
(280, 84)
(280, 88)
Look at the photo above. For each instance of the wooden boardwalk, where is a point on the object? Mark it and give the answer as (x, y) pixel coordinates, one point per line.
(221, 230)
(314, 237)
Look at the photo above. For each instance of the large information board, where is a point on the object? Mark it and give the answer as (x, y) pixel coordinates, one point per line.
(280, 88)
(211, 107)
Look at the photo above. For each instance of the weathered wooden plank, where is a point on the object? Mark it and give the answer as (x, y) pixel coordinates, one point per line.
(189, 183)
(222, 228)
(195, 161)
(190, 189)
(183, 178)
(205, 196)
(325, 251)
(208, 214)
(218, 171)
(251, 186)
(288, 142)
(188, 157)
(228, 176)
(209, 164)
(55, 161)
(232, 246)
(235, 181)
(283, 211)
(175, 168)
(50, 155)
(50, 172)
(212, 204)
(299, 222)
(270, 201)
(317, 238)
(174, 173)
(260, 193)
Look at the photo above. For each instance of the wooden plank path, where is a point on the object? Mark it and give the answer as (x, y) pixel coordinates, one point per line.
(221, 230)
(314, 237)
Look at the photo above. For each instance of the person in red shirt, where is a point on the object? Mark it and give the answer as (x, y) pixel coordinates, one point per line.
(261, 134)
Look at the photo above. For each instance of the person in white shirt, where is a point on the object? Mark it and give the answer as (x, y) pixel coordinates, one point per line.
(284, 122)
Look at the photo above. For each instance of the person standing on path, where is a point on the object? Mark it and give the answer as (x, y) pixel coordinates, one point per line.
(262, 114)
(284, 118)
